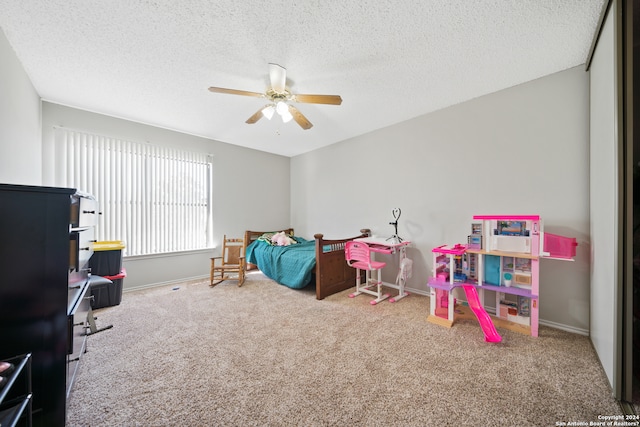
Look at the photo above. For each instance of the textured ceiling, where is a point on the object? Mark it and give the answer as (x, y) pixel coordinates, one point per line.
(152, 61)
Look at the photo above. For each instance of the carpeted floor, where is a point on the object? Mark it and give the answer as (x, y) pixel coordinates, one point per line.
(266, 355)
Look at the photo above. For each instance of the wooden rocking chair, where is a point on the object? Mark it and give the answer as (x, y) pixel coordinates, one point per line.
(230, 261)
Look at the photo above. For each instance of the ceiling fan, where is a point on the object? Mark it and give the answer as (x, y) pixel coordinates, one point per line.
(280, 97)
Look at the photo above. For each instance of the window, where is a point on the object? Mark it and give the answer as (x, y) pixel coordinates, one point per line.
(155, 199)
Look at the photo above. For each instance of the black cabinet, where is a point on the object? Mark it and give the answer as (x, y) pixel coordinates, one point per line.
(42, 286)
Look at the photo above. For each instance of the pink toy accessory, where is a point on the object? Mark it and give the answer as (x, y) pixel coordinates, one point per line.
(489, 329)
(508, 217)
(559, 246)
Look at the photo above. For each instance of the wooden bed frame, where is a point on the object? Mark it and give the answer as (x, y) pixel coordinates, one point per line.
(332, 274)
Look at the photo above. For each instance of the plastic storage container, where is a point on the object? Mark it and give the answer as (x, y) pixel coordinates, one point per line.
(107, 258)
(108, 294)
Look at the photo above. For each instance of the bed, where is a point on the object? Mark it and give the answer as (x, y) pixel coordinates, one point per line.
(320, 260)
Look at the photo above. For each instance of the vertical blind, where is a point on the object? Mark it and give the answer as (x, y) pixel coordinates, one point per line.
(155, 199)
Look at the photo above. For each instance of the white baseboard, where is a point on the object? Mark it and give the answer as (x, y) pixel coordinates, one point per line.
(170, 282)
(564, 327)
(417, 291)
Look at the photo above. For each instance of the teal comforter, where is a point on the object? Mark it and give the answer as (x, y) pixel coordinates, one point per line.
(291, 265)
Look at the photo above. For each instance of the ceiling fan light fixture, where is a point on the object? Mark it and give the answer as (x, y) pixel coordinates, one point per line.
(282, 108)
(268, 111)
(286, 116)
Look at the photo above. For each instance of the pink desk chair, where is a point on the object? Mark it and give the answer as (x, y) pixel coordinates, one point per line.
(358, 256)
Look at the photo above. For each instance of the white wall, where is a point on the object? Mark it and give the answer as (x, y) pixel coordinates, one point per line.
(247, 193)
(19, 121)
(523, 150)
(604, 199)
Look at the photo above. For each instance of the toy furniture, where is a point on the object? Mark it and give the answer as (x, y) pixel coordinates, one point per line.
(230, 261)
(358, 256)
(392, 245)
(502, 256)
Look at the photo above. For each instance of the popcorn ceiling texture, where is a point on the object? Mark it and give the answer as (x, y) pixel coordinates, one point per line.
(152, 61)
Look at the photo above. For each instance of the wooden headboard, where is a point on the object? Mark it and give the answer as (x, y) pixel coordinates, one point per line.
(251, 236)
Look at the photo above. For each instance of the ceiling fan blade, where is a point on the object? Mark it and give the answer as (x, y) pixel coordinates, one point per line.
(236, 92)
(318, 99)
(300, 118)
(256, 116)
(278, 77)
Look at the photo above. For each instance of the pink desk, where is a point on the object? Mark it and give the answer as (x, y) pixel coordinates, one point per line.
(391, 246)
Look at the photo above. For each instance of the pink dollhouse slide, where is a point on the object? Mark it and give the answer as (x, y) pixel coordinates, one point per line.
(490, 333)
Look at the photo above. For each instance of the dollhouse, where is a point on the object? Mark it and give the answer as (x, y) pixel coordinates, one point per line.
(501, 256)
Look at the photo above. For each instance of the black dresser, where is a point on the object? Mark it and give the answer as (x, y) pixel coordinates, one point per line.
(46, 237)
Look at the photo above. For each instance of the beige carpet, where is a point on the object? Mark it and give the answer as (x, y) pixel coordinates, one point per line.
(266, 355)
